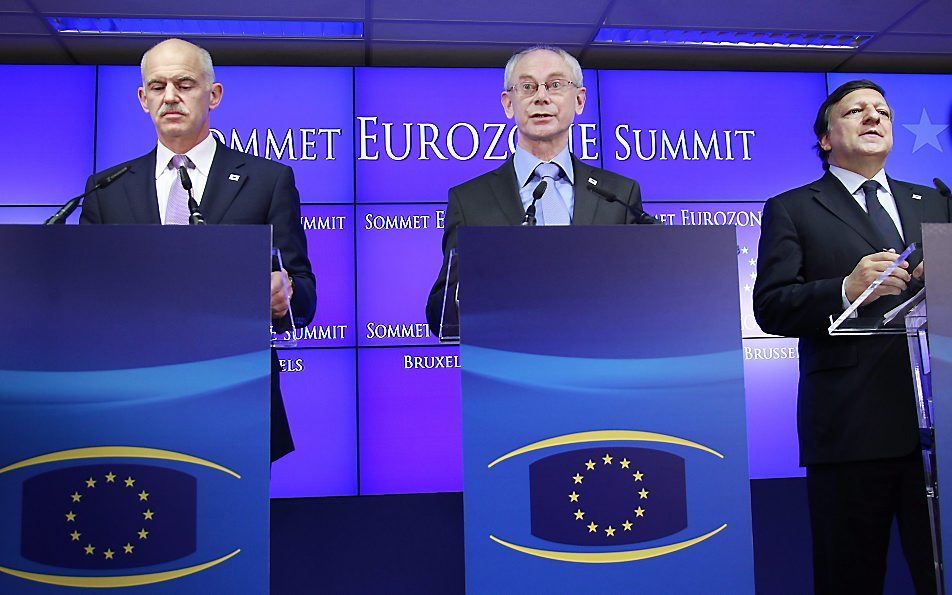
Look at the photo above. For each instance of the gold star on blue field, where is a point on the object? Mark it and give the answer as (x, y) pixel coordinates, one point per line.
(607, 496)
(74, 516)
(110, 517)
(575, 495)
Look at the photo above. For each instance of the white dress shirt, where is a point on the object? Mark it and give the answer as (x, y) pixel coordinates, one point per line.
(201, 156)
(854, 185)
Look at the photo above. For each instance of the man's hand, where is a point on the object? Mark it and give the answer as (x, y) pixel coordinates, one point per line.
(280, 305)
(872, 266)
(920, 271)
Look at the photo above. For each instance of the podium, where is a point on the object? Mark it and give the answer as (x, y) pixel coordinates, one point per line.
(927, 325)
(604, 427)
(134, 408)
(930, 341)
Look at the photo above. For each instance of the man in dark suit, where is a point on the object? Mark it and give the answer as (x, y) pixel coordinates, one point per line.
(178, 91)
(543, 93)
(821, 245)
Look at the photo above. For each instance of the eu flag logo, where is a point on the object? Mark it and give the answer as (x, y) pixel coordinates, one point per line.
(99, 517)
(600, 501)
(609, 496)
(98, 521)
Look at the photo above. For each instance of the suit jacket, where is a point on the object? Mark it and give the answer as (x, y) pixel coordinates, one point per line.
(263, 194)
(855, 399)
(492, 199)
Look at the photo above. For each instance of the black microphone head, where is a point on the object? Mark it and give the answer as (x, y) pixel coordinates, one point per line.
(539, 190)
(183, 175)
(106, 180)
(593, 186)
(942, 188)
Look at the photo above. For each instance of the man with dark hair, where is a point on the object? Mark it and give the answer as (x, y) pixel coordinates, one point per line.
(821, 245)
(543, 92)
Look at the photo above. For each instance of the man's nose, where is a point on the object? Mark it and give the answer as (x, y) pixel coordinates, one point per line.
(170, 96)
(871, 114)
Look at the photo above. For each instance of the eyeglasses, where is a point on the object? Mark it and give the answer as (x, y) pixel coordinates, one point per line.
(530, 88)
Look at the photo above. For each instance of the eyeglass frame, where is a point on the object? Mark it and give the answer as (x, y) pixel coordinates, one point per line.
(547, 84)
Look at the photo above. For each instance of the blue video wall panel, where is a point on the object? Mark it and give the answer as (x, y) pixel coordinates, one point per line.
(745, 217)
(922, 112)
(410, 420)
(398, 258)
(374, 161)
(702, 136)
(330, 245)
(412, 146)
(47, 151)
(319, 395)
(311, 133)
(27, 215)
(770, 379)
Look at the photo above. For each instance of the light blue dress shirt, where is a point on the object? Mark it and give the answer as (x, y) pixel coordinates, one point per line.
(525, 163)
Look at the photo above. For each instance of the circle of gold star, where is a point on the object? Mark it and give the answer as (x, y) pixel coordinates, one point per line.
(90, 485)
(574, 497)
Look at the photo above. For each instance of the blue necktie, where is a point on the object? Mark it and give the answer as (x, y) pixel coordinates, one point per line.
(880, 218)
(551, 208)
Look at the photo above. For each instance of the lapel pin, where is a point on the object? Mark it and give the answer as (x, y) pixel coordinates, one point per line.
(916, 197)
(234, 177)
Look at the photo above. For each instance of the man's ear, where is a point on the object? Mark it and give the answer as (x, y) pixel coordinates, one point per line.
(506, 100)
(215, 95)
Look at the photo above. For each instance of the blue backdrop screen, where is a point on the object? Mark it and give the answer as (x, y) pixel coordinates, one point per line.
(48, 140)
(373, 399)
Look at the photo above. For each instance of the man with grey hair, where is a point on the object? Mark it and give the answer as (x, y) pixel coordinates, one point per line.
(543, 92)
(179, 92)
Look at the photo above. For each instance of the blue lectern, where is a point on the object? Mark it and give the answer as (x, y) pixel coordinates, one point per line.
(932, 380)
(134, 409)
(604, 434)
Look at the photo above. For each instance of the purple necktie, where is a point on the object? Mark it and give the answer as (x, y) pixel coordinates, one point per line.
(176, 209)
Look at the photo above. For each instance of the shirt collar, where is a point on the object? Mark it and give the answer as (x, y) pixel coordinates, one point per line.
(853, 181)
(525, 163)
(201, 155)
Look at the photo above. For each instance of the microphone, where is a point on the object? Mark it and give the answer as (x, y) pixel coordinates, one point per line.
(60, 217)
(942, 188)
(641, 217)
(530, 219)
(195, 216)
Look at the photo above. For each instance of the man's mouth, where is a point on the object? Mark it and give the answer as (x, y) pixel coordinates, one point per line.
(872, 133)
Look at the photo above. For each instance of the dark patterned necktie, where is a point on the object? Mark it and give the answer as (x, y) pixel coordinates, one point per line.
(880, 218)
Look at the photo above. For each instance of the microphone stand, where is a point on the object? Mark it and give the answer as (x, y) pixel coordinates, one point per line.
(195, 216)
(60, 217)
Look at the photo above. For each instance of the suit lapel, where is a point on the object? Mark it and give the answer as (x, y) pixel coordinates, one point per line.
(225, 180)
(910, 211)
(586, 202)
(829, 192)
(139, 187)
(506, 193)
